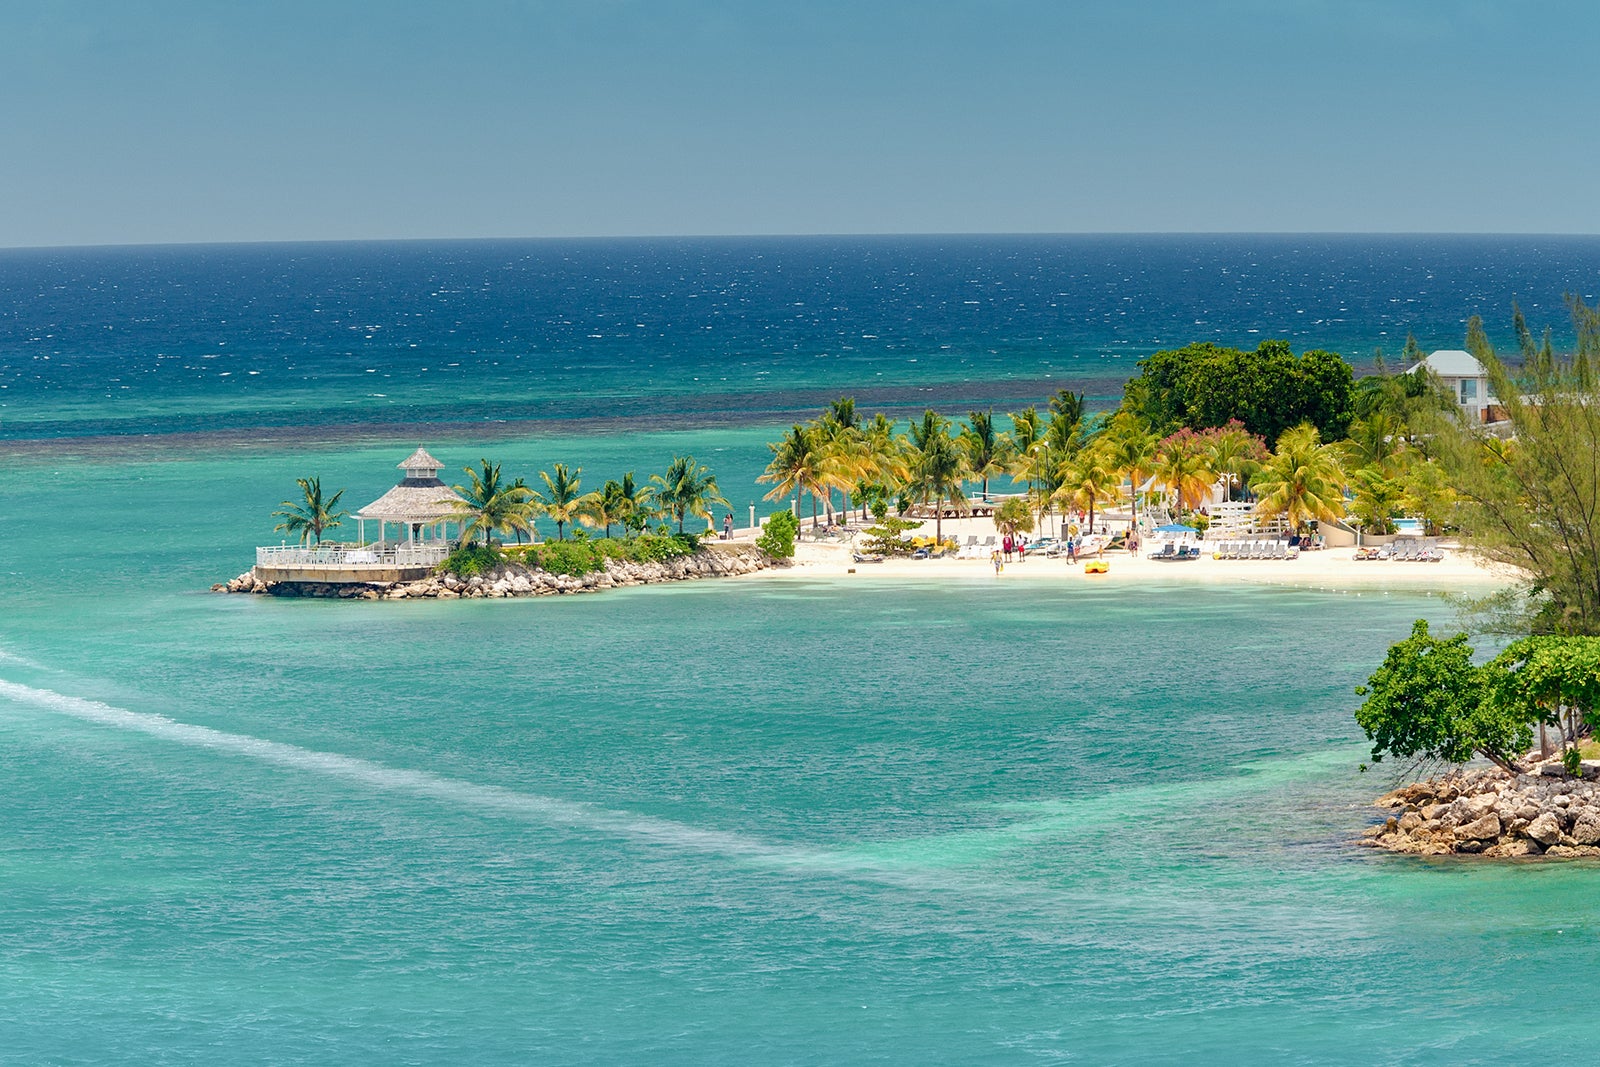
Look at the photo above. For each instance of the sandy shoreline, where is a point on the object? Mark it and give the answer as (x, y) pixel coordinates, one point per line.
(1334, 568)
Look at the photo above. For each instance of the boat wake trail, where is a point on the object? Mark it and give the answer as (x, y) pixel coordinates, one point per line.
(490, 799)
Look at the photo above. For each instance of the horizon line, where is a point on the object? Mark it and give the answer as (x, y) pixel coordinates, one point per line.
(842, 235)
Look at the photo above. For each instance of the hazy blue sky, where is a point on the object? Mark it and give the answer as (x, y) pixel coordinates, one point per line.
(150, 121)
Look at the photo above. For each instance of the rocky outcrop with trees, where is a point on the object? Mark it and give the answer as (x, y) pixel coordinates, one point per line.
(515, 579)
(1524, 498)
(1492, 813)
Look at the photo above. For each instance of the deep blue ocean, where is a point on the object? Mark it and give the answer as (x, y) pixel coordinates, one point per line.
(628, 333)
(783, 820)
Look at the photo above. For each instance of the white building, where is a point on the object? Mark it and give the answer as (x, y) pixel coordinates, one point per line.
(1467, 381)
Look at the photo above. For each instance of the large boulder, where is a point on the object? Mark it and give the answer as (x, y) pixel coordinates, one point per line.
(1546, 829)
(1485, 829)
(1586, 827)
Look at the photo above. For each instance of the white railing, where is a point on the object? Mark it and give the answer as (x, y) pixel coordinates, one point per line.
(404, 555)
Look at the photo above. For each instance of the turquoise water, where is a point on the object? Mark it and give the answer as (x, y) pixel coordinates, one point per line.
(771, 820)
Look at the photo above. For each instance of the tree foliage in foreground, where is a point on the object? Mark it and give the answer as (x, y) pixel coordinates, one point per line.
(1429, 701)
(1534, 501)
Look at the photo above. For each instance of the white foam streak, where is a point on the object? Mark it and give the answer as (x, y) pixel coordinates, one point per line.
(485, 798)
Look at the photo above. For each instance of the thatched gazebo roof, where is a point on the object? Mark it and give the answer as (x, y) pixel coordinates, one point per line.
(419, 498)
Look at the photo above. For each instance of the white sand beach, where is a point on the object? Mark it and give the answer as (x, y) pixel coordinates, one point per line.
(1333, 568)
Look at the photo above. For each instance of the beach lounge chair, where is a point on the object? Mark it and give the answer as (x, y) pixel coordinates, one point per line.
(861, 558)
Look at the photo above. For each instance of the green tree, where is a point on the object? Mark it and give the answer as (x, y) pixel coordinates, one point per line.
(1183, 465)
(1130, 449)
(638, 504)
(563, 500)
(1303, 479)
(608, 508)
(778, 534)
(1552, 680)
(489, 506)
(1234, 453)
(687, 488)
(1027, 439)
(1014, 516)
(1429, 701)
(1089, 479)
(987, 449)
(797, 466)
(310, 516)
(937, 472)
(1203, 386)
(1535, 503)
(1376, 500)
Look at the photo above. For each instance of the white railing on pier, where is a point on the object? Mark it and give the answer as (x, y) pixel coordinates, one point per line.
(403, 555)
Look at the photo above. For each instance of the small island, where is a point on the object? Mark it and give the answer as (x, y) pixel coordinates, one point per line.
(435, 552)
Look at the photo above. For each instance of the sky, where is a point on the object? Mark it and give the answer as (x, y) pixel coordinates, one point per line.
(143, 121)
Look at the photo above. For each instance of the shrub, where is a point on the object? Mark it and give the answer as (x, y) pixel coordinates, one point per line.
(888, 537)
(577, 558)
(470, 560)
(778, 534)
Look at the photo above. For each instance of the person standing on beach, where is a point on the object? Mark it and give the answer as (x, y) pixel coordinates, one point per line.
(994, 557)
(727, 527)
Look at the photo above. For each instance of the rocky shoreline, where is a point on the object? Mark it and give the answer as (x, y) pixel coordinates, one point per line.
(1490, 812)
(519, 580)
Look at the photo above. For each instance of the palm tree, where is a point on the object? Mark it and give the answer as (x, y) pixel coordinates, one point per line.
(1068, 406)
(1234, 452)
(1088, 479)
(937, 473)
(987, 450)
(1303, 480)
(1375, 499)
(1375, 440)
(606, 508)
(564, 502)
(798, 466)
(1026, 434)
(844, 459)
(491, 507)
(1183, 465)
(843, 413)
(638, 504)
(1130, 449)
(887, 453)
(687, 488)
(311, 515)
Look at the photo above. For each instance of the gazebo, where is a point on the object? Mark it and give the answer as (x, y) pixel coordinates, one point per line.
(421, 505)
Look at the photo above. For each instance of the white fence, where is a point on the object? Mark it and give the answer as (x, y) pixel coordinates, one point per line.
(403, 555)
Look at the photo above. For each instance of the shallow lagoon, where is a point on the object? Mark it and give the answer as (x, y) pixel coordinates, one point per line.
(762, 820)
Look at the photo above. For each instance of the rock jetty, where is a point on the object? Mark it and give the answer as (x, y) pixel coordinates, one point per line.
(1490, 812)
(518, 579)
